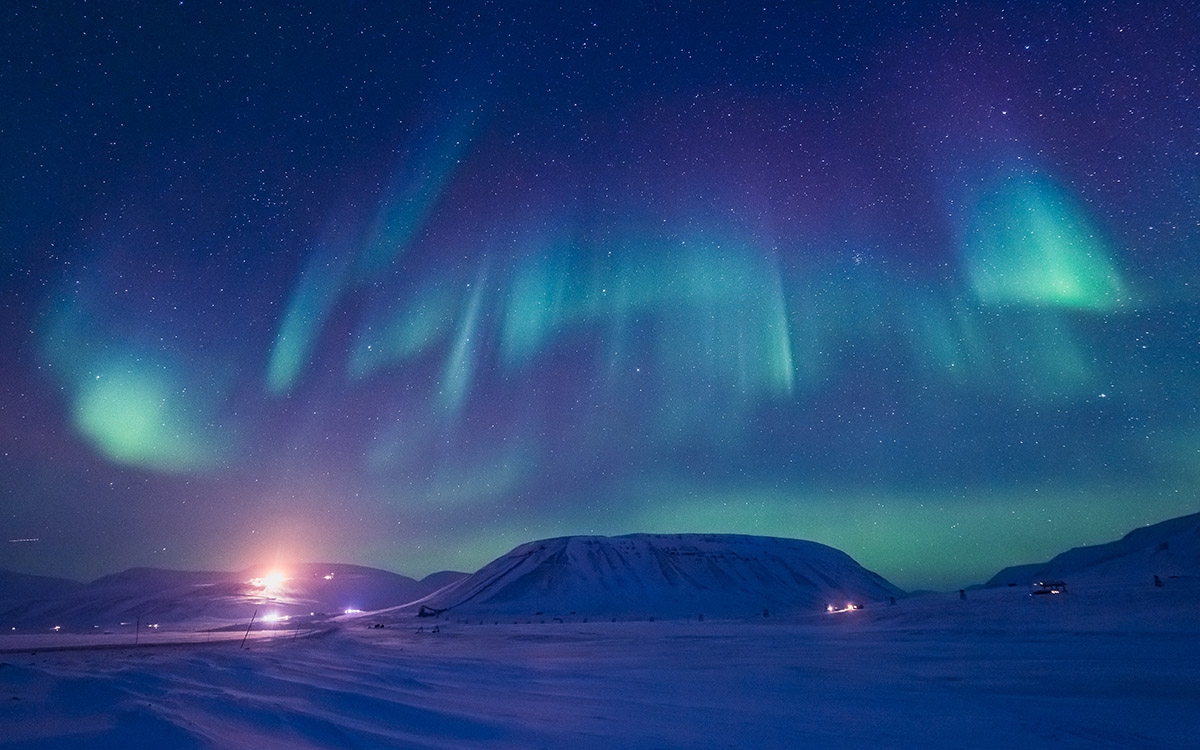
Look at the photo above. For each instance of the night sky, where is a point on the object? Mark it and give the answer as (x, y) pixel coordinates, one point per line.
(408, 284)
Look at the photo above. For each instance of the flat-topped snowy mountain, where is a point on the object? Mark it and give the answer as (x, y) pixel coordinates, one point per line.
(174, 596)
(1170, 549)
(663, 575)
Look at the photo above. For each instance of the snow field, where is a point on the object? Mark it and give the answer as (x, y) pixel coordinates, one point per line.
(1000, 669)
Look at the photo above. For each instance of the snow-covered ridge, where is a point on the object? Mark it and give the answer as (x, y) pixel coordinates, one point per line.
(175, 596)
(663, 575)
(20, 586)
(1170, 549)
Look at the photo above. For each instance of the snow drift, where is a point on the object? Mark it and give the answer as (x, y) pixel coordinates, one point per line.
(1170, 549)
(662, 575)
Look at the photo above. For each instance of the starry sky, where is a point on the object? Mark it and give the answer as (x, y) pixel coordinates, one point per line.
(408, 284)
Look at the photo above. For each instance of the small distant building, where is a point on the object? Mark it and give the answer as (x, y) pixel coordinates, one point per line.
(1044, 588)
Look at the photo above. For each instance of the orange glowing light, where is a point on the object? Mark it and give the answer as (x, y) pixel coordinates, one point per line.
(270, 583)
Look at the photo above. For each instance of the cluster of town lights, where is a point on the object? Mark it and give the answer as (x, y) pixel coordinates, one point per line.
(270, 583)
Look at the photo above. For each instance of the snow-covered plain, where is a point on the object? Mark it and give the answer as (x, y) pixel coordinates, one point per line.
(1099, 667)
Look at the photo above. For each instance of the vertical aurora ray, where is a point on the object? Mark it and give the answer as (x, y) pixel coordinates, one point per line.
(720, 330)
(779, 365)
(542, 300)
(314, 299)
(458, 373)
(417, 186)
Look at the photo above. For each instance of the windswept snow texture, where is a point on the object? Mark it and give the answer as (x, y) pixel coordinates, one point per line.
(1001, 669)
(1170, 549)
(1107, 666)
(173, 597)
(663, 575)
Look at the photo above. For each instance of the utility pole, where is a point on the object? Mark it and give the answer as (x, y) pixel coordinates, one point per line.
(247, 635)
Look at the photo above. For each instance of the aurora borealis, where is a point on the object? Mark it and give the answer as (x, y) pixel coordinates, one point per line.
(407, 285)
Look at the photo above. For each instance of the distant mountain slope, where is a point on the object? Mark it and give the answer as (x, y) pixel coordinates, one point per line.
(171, 596)
(440, 580)
(1167, 549)
(19, 586)
(663, 575)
